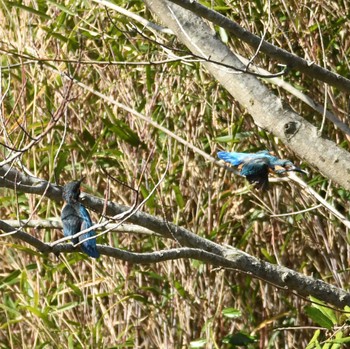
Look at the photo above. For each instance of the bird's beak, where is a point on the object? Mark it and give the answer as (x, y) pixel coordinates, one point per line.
(80, 180)
(297, 169)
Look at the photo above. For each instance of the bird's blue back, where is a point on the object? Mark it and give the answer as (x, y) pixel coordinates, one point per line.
(237, 159)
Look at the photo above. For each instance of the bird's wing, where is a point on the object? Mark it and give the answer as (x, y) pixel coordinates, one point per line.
(71, 221)
(256, 171)
(236, 158)
(89, 246)
(85, 216)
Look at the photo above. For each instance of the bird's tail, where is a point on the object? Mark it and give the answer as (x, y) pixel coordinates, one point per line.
(89, 247)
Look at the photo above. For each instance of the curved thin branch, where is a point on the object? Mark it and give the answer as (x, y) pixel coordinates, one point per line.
(133, 16)
(31, 59)
(201, 58)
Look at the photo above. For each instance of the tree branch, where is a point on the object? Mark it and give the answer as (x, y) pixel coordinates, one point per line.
(57, 224)
(193, 246)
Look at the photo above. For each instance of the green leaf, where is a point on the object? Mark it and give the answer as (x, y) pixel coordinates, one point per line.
(61, 7)
(225, 139)
(239, 338)
(55, 34)
(28, 9)
(10, 279)
(347, 309)
(178, 196)
(66, 307)
(314, 343)
(180, 289)
(75, 289)
(121, 130)
(268, 256)
(61, 163)
(329, 313)
(150, 203)
(232, 313)
(41, 315)
(318, 317)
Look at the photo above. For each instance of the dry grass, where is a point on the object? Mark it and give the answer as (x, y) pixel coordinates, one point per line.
(76, 302)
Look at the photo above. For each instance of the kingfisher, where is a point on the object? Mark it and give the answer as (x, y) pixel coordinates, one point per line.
(256, 166)
(76, 218)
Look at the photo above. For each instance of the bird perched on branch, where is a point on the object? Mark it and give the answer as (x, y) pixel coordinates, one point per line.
(256, 166)
(76, 218)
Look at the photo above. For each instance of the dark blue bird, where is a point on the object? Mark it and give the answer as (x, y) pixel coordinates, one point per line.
(76, 218)
(256, 166)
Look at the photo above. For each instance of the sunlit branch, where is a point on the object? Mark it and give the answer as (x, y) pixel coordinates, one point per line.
(35, 60)
(57, 224)
(133, 16)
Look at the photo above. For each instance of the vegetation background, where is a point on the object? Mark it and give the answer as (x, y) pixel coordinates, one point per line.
(76, 302)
